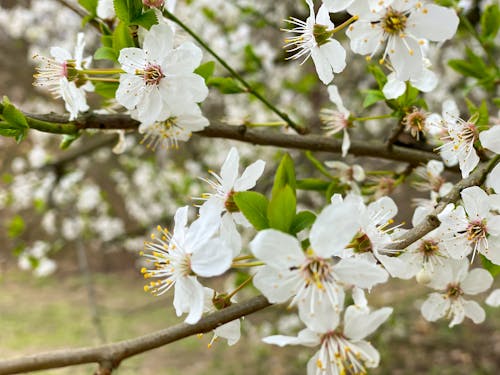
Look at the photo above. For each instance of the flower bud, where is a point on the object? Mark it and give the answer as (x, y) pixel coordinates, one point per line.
(154, 3)
(424, 277)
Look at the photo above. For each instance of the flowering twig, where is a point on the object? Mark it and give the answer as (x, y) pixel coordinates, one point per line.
(58, 124)
(236, 75)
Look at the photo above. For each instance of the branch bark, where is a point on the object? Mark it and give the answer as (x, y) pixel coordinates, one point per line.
(115, 353)
(313, 142)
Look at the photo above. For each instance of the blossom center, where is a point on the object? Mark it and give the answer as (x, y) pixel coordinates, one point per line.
(454, 291)
(429, 249)
(321, 34)
(152, 74)
(334, 121)
(230, 204)
(414, 123)
(394, 22)
(361, 243)
(335, 348)
(476, 230)
(316, 271)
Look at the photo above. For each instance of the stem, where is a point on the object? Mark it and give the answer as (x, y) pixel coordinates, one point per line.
(100, 79)
(237, 76)
(243, 257)
(319, 166)
(361, 119)
(241, 286)
(102, 71)
(49, 127)
(345, 24)
(249, 264)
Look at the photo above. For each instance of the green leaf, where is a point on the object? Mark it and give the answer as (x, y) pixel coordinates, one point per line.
(281, 209)
(466, 68)
(252, 61)
(15, 227)
(105, 53)
(254, 207)
(312, 184)
(206, 70)
(146, 19)
(122, 38)
(13, 116)
(285, 175)
(496, 101)
(303, 220)
(479, 115)
(67, 140)
(491, 267)
(372, 97)
(378, 74)
(226, 85)
(127, 10)
(89, 5)
(490, 22)
(106, 89)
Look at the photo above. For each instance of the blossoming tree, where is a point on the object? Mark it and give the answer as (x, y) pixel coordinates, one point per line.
(315, 230)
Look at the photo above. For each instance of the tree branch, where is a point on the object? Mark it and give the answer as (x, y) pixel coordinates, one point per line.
(431, 221)
(313, 142)
(113, 354)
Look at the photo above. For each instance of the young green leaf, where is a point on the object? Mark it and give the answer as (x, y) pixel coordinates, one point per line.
(303, 220)
(254, 207)
(281, 209)
(285, 175)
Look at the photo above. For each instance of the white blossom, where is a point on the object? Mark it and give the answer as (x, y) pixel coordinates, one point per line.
(455, 281)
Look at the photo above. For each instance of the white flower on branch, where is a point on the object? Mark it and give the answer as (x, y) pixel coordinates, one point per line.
(455, 281)
(159, 79)
(337, 121)
(313, 39)
(177, 258)
(222, 200)
(313, 278)
(472, 226)
(400, 30)
(60, 74)
(343, 349)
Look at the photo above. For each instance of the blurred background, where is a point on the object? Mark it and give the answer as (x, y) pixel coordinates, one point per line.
(73, 221)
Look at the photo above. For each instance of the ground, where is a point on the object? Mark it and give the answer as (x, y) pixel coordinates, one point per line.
(37, 315)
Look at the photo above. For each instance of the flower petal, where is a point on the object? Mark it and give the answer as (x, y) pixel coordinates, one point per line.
(358, 323)
(250, 176)
(279, 250)
(189, 297)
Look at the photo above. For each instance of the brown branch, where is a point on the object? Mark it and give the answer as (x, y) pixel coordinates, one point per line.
(431, 221)
(313, 142)
(109, 356)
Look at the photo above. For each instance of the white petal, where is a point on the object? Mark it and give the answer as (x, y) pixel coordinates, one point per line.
(180, 223)
(276, 286)
(433, 22)
(322, 66)
(474, 311)
(158, 42)
(132, 59)
(335, 55)
(494, 298)
(477, 281)
(305, 337)
(426, 82)
(333, 93)
(230, 235)
(360, 272)
(277, 249)
(333, 229)
(394, 88)
(250, 176)
(319, 315)
(189, 297)
(359, 324)
(202, 229)
(370, 354)
(382, 210)
(212, 259)
(406, 57)
(184, 59)
(129, 90)
(493, 179)
(435, 307)
(476, 202)
(346, 143)
(491, 139)
(365, 37)
(230, 331)
(229, 170)
(60, 54)
(396, 266)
